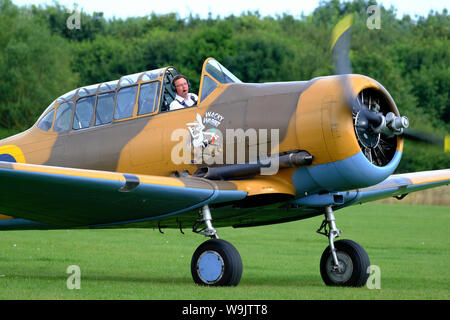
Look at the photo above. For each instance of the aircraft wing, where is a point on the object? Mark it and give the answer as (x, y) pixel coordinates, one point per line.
(69, 198)
(402, 184)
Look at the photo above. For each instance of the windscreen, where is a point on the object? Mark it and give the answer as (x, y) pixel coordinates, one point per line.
(220, 73)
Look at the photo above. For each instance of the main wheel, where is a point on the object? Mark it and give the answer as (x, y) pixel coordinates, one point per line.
(216, 262)
(353, 265)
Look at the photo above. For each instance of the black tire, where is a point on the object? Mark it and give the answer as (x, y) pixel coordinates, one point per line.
(216, 262)
(355, 263)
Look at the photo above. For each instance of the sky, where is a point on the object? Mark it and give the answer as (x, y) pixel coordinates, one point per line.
(133, 8)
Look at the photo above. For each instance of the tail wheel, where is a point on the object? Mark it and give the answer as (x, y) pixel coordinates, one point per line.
(216, 262)
(353, 265)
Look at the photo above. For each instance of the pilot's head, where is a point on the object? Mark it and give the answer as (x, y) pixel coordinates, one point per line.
(181, 85)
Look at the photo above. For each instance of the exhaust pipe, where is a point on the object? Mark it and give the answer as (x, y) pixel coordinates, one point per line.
(239, 171)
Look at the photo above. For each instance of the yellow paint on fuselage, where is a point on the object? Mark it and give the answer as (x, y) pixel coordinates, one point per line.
(31, 146)
(268, 184)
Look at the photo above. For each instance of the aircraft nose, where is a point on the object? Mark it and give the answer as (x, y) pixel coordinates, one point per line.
(324, 123)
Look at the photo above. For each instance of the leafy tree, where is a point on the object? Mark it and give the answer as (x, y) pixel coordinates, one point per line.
(35, 67)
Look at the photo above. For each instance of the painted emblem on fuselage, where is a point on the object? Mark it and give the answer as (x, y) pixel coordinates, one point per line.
(200, 136)
(11, 153)
(206, 138)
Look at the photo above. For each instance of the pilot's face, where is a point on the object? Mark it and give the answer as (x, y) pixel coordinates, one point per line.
(182, 87)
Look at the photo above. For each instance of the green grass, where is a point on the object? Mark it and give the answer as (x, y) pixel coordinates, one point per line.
(410, 244)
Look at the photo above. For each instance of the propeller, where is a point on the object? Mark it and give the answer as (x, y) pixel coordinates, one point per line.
(441, 141)
(372, 127)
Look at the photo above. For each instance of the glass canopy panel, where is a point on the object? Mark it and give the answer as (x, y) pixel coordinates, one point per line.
(208, 86)
(148, 97)
(88, 90)
(67, 96)
(104, 109)
(130, 79)
(63, 117)
(47, 121)
(47, 109)
(153, 75)
(220, 73)
(83, 113)
(108, 86)
(125, 102)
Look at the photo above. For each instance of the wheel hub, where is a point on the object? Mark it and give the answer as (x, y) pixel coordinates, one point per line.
(342, 272)
(210, 267)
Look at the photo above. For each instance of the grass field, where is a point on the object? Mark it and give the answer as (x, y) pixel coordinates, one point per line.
(410, 244)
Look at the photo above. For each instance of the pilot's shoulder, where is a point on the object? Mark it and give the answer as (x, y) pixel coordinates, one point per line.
(175, 104)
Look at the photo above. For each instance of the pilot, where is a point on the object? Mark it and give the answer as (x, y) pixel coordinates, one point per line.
(183, 98)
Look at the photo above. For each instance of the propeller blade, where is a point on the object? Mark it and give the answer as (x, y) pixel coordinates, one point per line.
(340, 48)
(340, 45)
(426, 137)
(366, 118)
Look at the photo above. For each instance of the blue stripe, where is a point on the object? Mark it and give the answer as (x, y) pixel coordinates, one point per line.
(23, 224)
(351, 173)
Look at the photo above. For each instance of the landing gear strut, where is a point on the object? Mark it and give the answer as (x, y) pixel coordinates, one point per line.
(344, 262)
(216, 262)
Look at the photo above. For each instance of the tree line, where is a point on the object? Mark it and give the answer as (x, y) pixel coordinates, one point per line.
(41, 57)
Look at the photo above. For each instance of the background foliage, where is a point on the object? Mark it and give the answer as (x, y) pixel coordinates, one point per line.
(41, 58)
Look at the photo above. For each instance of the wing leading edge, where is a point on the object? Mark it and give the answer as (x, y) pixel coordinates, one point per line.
(55, 197)
(402, 184)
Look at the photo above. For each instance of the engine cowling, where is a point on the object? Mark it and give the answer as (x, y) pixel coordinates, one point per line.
(346, 157)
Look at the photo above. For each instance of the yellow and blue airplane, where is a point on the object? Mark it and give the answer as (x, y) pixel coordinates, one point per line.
(113, 155)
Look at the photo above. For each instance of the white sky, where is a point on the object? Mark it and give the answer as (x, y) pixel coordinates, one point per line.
(129, 8)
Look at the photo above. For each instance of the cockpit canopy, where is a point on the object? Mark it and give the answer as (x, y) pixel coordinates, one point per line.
(214, 74)
(132, 96)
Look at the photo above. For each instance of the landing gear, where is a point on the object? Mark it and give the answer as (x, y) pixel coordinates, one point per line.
(344, 262)
(216, 262)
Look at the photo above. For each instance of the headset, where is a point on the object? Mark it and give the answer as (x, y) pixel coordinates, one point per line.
(180, 76)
